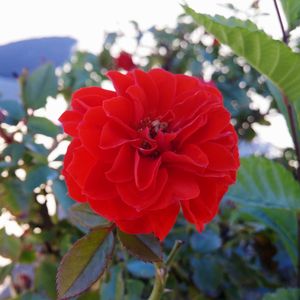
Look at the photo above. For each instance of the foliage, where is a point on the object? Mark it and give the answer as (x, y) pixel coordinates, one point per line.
(248, 252)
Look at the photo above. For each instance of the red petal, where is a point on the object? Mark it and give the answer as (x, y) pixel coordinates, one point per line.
(90, 129)
(145, 170)
(185, 86)
(114, 135)
(122, 168)
(139, 101)
(120, 109)
(81, 165)
(220, 159)
(196, 154)
(162, 221)
(87, 97)
(143, 199)
(202, 209)
(217, 120)
(120, 81)
(70, 120)
(166, 85)
(114, 209)
(137, 226)
(73, 188)
(97, 186)
(147, 84)
(183, 184)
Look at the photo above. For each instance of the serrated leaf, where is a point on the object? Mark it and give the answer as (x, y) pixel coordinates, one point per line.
(10, 246)
(270, 57)
(265, 183)
(82, 214)
(85, 262)
(38, 175)
(292, 12)
(283, 294)
(39, 85)
(144, 246)
(42, 126)
(283, 222)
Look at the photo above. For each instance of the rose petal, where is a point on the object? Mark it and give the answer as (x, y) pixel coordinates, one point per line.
(146, 83)
(120, 109)
(140, 200)
(70, 120)
(114, 135)
(162, 221)
(120, 81)
(80, 165)
(145, 170)
(122, 168)
(90, 129)
(220, 158)
(96, 184)
(87, 97)
(164, 79)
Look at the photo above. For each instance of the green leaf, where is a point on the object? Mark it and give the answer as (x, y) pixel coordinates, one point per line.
(38, 175)
(39, 85)
(81, 214)
(134, 289)
(114, 288)
(14, 111)
(292, 12)
(207, 273)
(31, 296)
(144, 246)
(5, 271)
(283, 294)
(270, 57)
(140, 269)
(10, 246)
(45, 278)
(265, 183)
(42, 126)
(61, 194)
(15, 151)
(14, 197)
(84, 263)
(283, 222)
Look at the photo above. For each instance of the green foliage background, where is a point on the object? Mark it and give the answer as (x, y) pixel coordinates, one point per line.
(250, 249)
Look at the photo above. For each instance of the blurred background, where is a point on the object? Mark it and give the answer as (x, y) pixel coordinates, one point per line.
(48, 49)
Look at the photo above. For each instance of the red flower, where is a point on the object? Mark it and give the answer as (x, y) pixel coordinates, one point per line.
(124, 61)
(160, 143)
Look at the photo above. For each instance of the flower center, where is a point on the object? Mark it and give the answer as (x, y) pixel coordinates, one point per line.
(153, 139)
(153, 126)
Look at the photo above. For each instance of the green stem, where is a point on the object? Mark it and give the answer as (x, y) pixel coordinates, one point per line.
(159, 283)
(162, 271)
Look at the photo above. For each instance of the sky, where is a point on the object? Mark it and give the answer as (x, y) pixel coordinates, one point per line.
(87, 20)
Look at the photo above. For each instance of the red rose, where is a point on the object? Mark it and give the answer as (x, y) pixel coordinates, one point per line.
(160, 143)
(124, 61)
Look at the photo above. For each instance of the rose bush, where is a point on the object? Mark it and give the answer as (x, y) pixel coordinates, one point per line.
(157, 144)
(124, 61)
